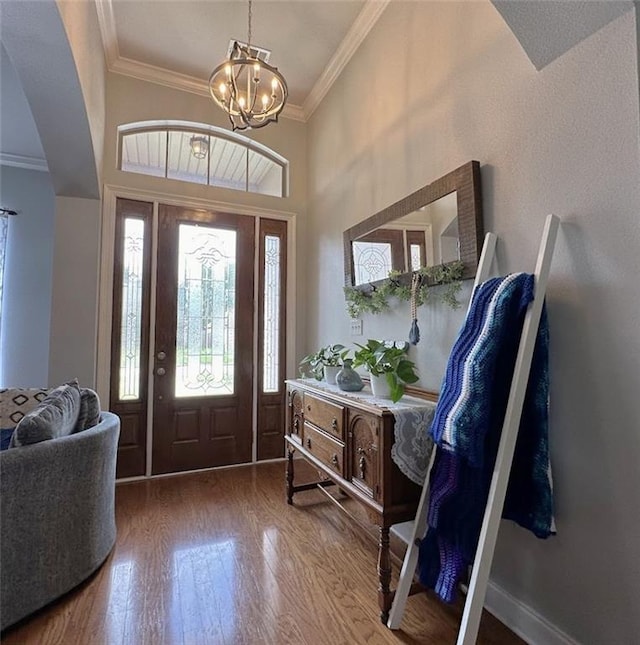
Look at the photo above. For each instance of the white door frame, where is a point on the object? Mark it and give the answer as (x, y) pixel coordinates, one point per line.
(105, 296)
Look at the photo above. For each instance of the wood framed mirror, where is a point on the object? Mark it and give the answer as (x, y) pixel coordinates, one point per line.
(437, 224)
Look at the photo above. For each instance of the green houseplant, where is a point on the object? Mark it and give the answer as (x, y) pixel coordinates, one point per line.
(330, 356)
(387, 360)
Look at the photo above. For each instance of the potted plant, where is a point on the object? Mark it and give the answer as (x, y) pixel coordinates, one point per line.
(389, 366)
(326, 362)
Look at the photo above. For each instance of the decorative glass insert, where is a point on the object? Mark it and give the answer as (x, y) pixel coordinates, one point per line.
(205, 338)
(416, 257)
(131, 316)
(372, 261)
(202, 154)
(271, 331)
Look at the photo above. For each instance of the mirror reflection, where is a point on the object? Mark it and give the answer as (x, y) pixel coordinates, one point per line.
(425, 237)
(435, 225)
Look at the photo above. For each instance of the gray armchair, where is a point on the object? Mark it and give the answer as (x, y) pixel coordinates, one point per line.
(57, 518)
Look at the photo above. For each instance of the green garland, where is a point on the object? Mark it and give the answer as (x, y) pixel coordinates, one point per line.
(448, 276)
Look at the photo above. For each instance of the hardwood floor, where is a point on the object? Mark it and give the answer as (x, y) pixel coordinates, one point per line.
(219, 557)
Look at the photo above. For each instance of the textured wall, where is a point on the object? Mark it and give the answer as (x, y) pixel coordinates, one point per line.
(26, 301)
(433, 86)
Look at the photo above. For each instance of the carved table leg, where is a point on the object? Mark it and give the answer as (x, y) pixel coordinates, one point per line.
(289, 476)
(385, 596)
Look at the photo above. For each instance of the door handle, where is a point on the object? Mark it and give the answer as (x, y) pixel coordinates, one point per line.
(161, 371)
(161, 356)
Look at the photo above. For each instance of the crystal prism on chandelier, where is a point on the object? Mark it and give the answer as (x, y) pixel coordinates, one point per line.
(249, 90)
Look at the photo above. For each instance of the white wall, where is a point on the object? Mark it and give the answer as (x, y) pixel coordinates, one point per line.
(433, 86)
(83, 31)
(76, 257)
(26, 301)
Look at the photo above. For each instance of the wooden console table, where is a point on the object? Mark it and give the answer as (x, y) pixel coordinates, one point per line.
(348, 439)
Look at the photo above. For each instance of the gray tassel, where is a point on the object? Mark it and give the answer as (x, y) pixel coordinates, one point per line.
(414, 334)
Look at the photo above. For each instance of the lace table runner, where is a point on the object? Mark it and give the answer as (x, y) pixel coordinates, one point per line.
(413, 416)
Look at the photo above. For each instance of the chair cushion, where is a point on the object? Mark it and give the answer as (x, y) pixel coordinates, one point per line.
(55, 417)
(15, 402)
(89, 409)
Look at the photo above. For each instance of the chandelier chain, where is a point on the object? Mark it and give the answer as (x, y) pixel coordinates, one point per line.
(249, 30)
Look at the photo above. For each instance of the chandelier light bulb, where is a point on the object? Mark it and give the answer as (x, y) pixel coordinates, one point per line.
(231, 86)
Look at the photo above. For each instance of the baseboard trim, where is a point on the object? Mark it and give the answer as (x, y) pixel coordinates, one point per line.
(524, 621)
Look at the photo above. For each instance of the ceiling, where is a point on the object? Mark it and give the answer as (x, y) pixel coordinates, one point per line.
(178, 43)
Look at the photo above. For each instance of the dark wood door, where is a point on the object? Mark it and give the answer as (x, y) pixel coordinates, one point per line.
(203, 355)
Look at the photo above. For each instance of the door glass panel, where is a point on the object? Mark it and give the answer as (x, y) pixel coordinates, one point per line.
(416, 259)
(272, 289)
(131, 318)
(372, 261)
(206, 311)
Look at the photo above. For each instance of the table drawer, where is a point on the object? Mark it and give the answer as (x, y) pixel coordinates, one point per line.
(325, 415)
(325, 449)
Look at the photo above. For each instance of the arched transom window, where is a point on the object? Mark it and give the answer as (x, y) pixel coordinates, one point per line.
(201, 154)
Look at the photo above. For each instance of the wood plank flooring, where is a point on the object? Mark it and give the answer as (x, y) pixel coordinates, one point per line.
(218, 557)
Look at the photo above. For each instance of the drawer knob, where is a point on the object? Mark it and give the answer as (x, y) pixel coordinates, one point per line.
(296, 424)
(362, 451)
(334, 424)
(334, 460)
(309, 408)
(309, 443)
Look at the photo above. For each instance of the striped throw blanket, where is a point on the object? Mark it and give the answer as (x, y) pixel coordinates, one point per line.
(467, 426)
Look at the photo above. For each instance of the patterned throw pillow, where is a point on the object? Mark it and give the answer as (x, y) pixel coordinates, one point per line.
(15, 402)
(55, 417)
(89, 409)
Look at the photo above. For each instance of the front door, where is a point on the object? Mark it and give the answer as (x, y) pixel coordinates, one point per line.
(188, 372)
(203, 355)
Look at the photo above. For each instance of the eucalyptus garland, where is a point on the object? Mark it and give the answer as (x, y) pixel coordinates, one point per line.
(447, 277)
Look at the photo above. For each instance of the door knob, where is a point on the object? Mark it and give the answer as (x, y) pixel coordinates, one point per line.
(161, 371)
(161, 356)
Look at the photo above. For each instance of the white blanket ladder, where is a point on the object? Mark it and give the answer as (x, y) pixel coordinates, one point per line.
(412, 532)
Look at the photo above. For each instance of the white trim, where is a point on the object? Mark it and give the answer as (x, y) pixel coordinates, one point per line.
(173, 199)
(179, 81)
(107, 24)
(117, 64)
(256, 331)
(105, 296)
(522, 620)
(23, 161)
(153, 285)
(362, 25)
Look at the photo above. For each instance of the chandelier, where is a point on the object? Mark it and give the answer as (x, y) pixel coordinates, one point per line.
(248, 89)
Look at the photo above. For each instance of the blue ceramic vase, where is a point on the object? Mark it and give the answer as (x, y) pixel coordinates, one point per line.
(348, 379)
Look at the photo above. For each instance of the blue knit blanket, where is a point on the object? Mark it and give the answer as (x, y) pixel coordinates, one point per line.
(467, 426)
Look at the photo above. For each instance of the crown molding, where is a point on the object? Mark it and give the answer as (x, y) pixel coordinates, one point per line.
(22, 161)
(177, 81)
(362, 25)
(107, 23)
(161, 76)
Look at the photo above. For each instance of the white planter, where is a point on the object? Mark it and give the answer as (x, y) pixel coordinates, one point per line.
(380, 386)
(330, 373)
